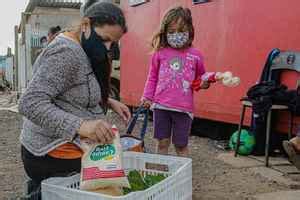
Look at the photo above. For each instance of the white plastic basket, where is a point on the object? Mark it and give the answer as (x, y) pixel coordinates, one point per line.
(177, 186)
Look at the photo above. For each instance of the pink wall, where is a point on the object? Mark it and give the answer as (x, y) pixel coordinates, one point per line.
(233, 35)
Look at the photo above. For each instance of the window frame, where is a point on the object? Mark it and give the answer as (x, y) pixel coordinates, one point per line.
(195, 2)
(134, 3)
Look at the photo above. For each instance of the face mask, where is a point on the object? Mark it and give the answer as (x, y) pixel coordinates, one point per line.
(97, 54)
(44, 44)
(94, 47)
(178, 40)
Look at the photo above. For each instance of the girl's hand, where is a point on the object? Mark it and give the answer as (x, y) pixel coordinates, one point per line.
(205, 85)
(121, 109)
(146, 103)
(196, 85)
(97, 130)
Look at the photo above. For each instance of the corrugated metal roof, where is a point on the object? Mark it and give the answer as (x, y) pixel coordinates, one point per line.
(53, 4)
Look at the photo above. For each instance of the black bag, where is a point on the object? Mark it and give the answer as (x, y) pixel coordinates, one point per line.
(294, 104)
(263, 95)
(268, 88)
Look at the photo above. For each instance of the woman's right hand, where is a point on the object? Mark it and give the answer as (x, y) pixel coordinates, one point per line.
(97, 130)
(146, 103)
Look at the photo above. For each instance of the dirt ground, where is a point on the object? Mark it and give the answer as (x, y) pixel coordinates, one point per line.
(212, 179)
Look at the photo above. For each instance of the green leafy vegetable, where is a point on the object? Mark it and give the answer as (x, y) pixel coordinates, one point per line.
(151, 180)
(138, 183)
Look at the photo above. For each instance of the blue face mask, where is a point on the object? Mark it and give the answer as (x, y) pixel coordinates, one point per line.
(178, 40)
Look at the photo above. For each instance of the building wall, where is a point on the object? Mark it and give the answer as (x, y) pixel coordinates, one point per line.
(2, 68)
(43, 18)
(2, 63)
(9, 70)
(37, 25)
(2, 74)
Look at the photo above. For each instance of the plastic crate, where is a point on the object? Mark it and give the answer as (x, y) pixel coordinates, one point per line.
(177, 186)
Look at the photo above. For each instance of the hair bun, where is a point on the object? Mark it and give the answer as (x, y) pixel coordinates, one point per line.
(58, 28)
(88, 4)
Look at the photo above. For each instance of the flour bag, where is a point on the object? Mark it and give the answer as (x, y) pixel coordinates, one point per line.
(101, 165)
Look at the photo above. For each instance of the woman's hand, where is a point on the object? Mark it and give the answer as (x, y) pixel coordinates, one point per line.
(121, 109)
(146, 103)
(97, 130)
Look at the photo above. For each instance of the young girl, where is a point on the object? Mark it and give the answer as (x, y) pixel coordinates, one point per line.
(169, 88)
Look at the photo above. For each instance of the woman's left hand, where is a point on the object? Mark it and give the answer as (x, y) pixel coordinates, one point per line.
(121, 109)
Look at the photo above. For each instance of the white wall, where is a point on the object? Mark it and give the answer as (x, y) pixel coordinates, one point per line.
(21, 69)
(44, 18)
(37, 26)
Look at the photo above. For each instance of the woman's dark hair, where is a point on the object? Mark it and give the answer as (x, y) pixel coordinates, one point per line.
(55, 29)
(44, 38)
(178, 14)
(103, 13)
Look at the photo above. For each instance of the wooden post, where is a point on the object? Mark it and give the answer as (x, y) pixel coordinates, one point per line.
(28, 67)
(16, 58)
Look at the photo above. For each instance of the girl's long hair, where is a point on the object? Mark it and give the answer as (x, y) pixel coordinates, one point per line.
(178, 14)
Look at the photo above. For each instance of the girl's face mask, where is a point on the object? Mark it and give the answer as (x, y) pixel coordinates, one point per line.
(178, 40)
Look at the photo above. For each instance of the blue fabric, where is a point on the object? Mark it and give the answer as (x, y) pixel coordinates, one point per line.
(265, 76)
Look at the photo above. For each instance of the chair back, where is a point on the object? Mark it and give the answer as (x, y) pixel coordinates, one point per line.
(286, 60)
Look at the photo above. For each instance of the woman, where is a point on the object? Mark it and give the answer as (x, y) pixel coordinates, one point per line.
(69, 95)
(43, 41)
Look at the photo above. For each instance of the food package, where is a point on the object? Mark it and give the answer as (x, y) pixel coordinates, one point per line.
(101, 165)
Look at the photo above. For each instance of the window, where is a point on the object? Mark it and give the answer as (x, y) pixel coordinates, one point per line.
(200, 1)
(137, 2)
